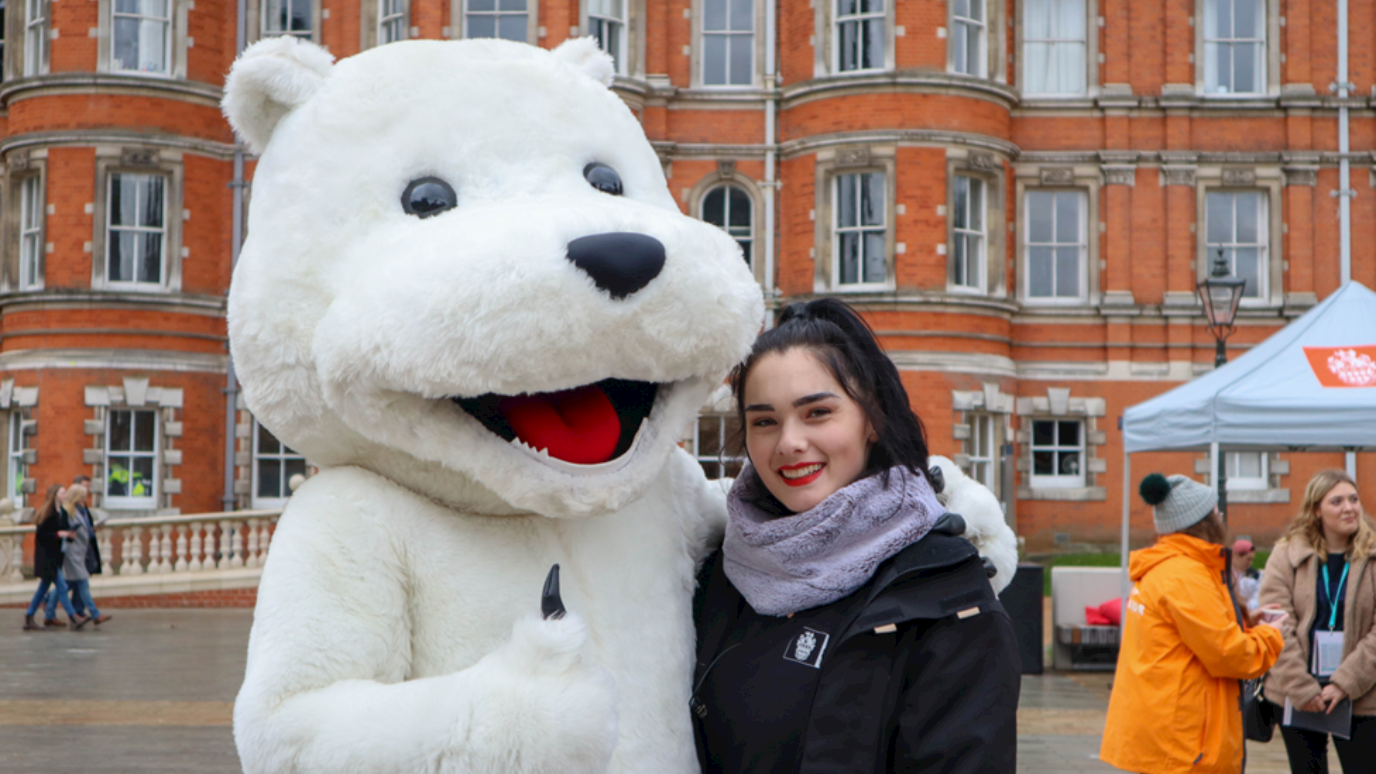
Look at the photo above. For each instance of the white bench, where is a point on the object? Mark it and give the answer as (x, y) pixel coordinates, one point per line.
(1078, 645)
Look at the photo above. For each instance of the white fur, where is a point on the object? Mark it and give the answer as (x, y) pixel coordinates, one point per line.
(984, 522)
(394, 627)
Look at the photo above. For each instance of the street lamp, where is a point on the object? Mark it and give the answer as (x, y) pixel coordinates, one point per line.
(1220, 294)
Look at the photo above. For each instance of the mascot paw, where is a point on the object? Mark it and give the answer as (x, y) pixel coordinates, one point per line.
(546, 702)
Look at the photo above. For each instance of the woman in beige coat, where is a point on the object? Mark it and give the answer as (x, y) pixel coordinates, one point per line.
(1323, 574)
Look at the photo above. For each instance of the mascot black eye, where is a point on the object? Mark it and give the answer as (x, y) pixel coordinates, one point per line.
(428, 196)
(603, 178)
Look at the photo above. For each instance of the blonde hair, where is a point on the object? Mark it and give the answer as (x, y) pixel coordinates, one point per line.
(1308, 527)
(74, 493)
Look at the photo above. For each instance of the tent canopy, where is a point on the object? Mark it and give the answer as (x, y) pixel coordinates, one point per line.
(1271, 398)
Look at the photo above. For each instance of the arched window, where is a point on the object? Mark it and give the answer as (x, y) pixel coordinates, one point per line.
(728, 207)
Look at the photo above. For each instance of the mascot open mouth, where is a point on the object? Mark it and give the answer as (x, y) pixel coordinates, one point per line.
(588, 425)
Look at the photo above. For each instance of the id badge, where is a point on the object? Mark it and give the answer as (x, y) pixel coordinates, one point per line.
(1328, 653)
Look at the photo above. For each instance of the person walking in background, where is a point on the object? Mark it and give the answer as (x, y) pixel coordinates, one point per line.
(83, 515)
(1246, 578)
(842, 628)
(47, 560)
(1322, 573)
(1175, 701)
(75, 567)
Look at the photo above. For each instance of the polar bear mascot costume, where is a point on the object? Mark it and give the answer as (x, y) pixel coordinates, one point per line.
(468, 295)
(985, 525)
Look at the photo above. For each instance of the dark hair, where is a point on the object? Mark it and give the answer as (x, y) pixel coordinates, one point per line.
(81, 478)
(1210, 529)
(845, 345)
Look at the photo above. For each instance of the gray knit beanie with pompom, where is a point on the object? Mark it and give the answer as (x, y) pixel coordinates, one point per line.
(1179, 502)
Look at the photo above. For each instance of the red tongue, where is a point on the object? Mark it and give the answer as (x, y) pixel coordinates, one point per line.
(578, 426)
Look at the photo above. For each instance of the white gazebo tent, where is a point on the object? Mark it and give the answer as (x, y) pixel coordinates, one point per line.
(1309, 387)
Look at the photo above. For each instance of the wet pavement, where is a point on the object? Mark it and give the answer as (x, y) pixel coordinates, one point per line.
(152, 691)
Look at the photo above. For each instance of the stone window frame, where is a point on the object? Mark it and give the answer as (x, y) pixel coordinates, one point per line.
(1091, 57)
(995, 59)
(851, 160)
(1059, 405)
(634, 45)
(695, 80)
(989, 401)
(990, 168)
(244, 462)
(1270, 181)
(136, 392)
(22, 165)
(1276, 467)
(370, 13)
(728, 174)
(824, 50)
(179, 40)
(16, 44)
(254, 21)
(1084, 178)
(1273, 55)
(719, 406)
(269, 503)
(115, 160)
(20, 403)
(459, 19)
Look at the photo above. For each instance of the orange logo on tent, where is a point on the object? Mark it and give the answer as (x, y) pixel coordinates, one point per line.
(1343, 366)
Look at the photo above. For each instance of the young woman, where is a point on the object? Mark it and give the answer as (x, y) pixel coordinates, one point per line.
(47, 560)
(1322, 573)
(1185, 646)
(844, 626)
(74, 567)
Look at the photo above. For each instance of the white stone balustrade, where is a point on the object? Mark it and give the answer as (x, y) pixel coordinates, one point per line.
(174, 546)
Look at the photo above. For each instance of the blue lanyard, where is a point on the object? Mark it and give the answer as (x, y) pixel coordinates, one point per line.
(1333, 605)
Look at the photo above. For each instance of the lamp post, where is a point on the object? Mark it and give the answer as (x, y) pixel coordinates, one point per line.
(1220, 293)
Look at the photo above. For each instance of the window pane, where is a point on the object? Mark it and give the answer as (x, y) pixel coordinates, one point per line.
(958, 261)
(850, 258)
(1039, 221)
(1248, 464)
(847, 7)
(976, 204)
(1067, 218)
(1036, 19)
(482, 26)
(1218, 209)
(1070, 20)
(150, 258)
(742, 59)
(1044, 463)
(1069, 463)
(1043, 433)
(483, 5)
(145, 424)
(714, 60)
(1247, 207)
(874, 45)
(740, 208)
(871, 6)
(293, 467)
(1068, 433)
(972, 51)
(874, 257)
(714, 207)
(958, 53)
(849, 56)
(269, 478)
(121, 431)
(512, 5)
(1223, 55)
(1218, 18)
(150, 201)
(1068, 272)
(117, 480)
(1070, 68)
(141, 479)
(267, 442)
(977, 10)
(845, 200)
(962, 202)
(123, 199)
(512, 27)
(1039, 273)
(1246, 266)
(1247, 20)
(872, 200)
(742, 15)
(1037, 68)
(1245, 74)
(300, 15)
(122, 255)
(714, 15)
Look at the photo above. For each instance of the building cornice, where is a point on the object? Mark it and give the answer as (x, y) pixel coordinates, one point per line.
(105, 83)
(919, 301)
(670, 151)
(57, 300)
(112, 359)
(940, 137)
(917, 82)
(90, 137)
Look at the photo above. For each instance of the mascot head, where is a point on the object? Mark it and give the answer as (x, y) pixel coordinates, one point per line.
(464, 271)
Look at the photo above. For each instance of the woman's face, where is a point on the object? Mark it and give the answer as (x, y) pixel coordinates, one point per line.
(1339, 510)
(806, 438)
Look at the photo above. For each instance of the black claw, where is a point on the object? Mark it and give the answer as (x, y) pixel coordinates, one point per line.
(952, 524)
(937, 478)
(989, 569)
(551, 604)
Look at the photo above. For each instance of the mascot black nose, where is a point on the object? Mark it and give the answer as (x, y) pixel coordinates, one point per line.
(618, 262)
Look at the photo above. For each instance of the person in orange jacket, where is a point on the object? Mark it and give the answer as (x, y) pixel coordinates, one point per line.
(1186, 643)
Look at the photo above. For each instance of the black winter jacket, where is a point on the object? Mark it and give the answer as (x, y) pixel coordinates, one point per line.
(917, 671)
(47, 547)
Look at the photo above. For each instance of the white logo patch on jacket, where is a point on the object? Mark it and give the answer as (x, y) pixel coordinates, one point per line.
(807, 648)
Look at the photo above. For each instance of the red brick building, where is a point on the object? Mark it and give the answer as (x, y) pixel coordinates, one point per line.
(1020, 195)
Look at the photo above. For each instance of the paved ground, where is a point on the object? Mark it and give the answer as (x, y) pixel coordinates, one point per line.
(152, 690)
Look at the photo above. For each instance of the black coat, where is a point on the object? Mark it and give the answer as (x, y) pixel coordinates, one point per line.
(93, 549)
(47, 547)
(916, 671)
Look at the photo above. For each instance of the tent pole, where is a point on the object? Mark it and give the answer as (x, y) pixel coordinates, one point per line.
(1352, 465)
(1127, 501)
(1216, 457)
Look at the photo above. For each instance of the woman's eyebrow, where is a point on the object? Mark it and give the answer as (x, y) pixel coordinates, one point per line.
(813, 398)
(759, 407)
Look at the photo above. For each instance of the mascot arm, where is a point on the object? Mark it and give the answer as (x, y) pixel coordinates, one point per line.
(701, 504)
(326, 690)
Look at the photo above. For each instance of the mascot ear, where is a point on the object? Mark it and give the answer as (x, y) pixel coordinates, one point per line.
(583, 54)
(270, 79)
